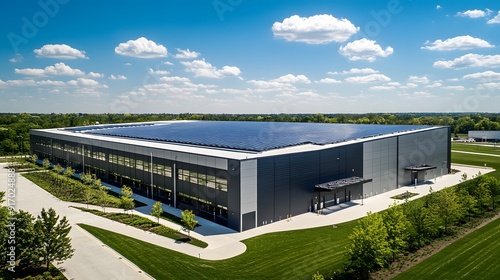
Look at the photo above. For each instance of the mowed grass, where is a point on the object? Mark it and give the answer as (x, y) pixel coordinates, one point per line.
(475, 256)
(495, 150)
(284, 255)
(478, 160)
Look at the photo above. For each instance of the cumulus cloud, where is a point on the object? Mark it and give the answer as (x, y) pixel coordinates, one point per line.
(381, 88)
(433, 85)
(158, 72)
(355, 71)
(364, 49)
(289, 78)
(454, 87)
(186, 54)
(141, 48)
(473, 13)
(58, 69)
(167, 63)
(317, 29)
(457, 43)
(201, 68)
(483, 76)
(438, 7)
(417, 79)
(95, 75)
(175, 79)
(84, 82)
(328, 81)
(368, 78)
(60, 51)
(17, 58)
(117, 77)
(494, 20)
(469, 60)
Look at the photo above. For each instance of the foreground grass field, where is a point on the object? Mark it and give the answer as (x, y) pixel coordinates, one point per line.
(476, 148)
(285, 255)
(473, 257)
(478, 160)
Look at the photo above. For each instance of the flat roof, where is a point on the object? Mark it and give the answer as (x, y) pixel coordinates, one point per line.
(341, 183)
(244, 136)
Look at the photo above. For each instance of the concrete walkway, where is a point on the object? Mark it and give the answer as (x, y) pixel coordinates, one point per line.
(92, 258)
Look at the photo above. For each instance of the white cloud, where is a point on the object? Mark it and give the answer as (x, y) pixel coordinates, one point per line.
(272, 85)
(17, 58)
(117, 77)
(317, 29)
(483, 76)
(416, 95)
(453, 80)
(454, 87)
(473, 13)
(417, 79)
(141, 48)
(494, 20)
(95, 75)
(433, 85)
(290, 78)
(490, 86)
(368, 78)
(470, 60)
(381, 88)
(186, 54)
(364, 49)
(355, 71)
(201, 68)
(328, 81)
(175, 79)
(458, 43)
(60, 51)
(438, 7)
(409, 85)
(167, 63)
(84, 82)
(2, 83)
(396, 84)
(127, 64)
(59, 69)
(158, 72)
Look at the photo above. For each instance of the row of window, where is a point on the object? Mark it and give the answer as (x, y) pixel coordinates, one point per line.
(203, 179)
(159, 169)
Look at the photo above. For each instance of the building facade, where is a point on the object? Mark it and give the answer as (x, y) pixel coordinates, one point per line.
(244, 174)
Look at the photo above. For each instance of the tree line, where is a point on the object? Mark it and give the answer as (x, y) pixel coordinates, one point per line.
(380, 238)
(14, 128)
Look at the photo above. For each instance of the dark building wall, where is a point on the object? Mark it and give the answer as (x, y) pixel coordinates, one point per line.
(285, 183)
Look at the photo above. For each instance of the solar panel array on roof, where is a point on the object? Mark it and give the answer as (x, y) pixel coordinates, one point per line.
(249, 136)
(103, 126)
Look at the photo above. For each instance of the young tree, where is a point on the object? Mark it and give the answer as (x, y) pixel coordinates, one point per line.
(189, 221)
(58, 168)
(46, 163)
(126, 200)
(397, 228)
(88, 196)
(157, 210)
(53, 233)
(467, 202)
(34, 158)
(447, 209)
(86, 178)
(69, 172)
(420, 220)
(102, 197)
(493, 185)
(28, 244)
(368, 248)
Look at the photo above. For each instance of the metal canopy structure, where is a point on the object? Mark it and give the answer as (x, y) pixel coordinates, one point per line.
(421, 167)
(341, 183)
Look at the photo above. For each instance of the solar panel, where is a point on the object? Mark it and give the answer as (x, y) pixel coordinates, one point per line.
(249, 136)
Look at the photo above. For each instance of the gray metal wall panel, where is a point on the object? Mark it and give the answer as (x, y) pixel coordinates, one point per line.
(234, 194)
(265, 190)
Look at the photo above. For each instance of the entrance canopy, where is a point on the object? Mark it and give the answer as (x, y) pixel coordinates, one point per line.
(341, 183)
(421, 167)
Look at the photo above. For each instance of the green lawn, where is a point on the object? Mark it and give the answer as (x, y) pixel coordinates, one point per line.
(284, 255)
(472, 257)
(476, 148)
(478, 160)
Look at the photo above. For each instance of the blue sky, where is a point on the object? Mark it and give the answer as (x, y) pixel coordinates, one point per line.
(242, 56)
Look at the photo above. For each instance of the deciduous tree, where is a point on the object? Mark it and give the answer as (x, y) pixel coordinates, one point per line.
(126, 200)
(397, 226)
(189, 221)
(54, 235)
(157, 210)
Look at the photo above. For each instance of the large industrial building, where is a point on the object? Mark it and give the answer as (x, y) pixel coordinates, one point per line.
(248, 174)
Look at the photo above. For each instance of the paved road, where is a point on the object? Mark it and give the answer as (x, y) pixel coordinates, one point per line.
(93, 260)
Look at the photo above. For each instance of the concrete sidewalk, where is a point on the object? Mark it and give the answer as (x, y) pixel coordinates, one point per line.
(474, 153)
(223, 242)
